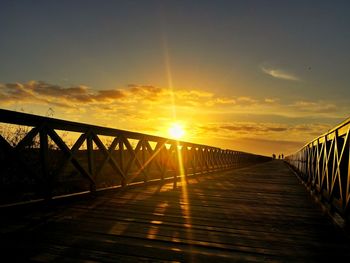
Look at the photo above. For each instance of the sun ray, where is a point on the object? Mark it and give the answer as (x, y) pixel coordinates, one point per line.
(177, 132)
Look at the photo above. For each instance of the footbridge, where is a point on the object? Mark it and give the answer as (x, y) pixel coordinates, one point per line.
(73, 192)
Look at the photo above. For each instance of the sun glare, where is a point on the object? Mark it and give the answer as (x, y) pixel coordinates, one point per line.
(176, 131)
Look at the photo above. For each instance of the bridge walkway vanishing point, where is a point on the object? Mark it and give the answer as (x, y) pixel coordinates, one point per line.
(259, 213)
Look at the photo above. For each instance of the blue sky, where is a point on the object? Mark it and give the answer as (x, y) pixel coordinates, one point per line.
(262, 63)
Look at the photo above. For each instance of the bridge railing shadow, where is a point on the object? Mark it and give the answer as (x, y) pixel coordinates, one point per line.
(42, 158)
(324, 166)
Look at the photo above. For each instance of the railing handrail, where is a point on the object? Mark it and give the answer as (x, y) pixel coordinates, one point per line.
(124, 157)
(330, 131)
(20, 118)
(27, 119)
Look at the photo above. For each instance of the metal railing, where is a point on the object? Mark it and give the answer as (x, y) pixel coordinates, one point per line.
(324, 166)
(42, 165)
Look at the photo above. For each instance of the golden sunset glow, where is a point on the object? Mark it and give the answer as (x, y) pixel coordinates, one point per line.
(263, 98)
(185, 128)
(176, 131)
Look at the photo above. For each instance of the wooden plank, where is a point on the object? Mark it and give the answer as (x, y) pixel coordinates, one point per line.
(256, 214)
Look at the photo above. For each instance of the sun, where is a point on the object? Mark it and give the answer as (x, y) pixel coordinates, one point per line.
(176, 131)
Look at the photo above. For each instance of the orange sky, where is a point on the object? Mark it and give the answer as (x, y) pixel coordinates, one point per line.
(224, 121)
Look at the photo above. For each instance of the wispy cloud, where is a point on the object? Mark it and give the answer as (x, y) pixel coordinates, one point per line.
(314, 107)
(262, 130)
(280, 74)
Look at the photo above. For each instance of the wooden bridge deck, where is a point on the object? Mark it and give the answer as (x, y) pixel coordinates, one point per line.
(261, 213)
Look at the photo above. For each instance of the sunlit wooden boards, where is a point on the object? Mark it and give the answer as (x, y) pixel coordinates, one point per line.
(258, 214)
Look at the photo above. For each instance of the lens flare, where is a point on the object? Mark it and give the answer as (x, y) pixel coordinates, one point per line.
(176, 131)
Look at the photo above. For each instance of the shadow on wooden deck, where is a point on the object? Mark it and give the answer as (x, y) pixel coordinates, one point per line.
(260, 214)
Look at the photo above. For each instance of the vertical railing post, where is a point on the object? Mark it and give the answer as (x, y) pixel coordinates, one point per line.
(314, 180)
(230, 159)
(91, 162)
(44, 159)
(145, 169)
(161, 163)
(202, 165)
(347, 191)
(165, 156)
(174, 151)
(224, 157)
(344, 177)
(194, 159)
(205, 159)
(210, 159)
(121, 158)
(184, 152)
(219, 159)
(314, 164)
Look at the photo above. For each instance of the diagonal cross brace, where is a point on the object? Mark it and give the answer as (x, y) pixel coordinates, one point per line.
(69, 153)
(108, 156)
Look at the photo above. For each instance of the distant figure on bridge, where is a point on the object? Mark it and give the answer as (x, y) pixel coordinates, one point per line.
(279, 156)
(282, 155)
(274, 156)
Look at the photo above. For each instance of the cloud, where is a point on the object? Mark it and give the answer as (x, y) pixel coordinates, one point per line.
(145, 91)
(314, 106)
(209, 116)
(280, 74)
(131, 98)
(271, 100)
(314, 129)
(254, 127)
(142, 101)
(263, 130)
(136, 99)
(39, 92)
(246, 101)
(108, 94)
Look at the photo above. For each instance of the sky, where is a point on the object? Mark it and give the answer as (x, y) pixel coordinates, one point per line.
(257, 76)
